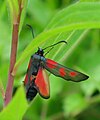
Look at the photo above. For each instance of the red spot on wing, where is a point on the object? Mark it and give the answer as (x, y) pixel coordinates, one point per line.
(42, 83)
(62, 72)
(51, 64)
(73, 74)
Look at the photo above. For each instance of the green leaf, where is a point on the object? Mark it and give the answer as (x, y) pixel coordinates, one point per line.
(13, 9)
(16, 109)
(74, 17)
(24, 4)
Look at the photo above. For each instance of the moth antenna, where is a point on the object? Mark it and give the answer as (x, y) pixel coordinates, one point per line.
(48, 51)
(31, 29)
(56, 44)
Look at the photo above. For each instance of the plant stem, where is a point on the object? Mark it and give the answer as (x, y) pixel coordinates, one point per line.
(9, 89)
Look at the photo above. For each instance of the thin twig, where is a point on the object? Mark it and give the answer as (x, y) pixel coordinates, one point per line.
(9, 89)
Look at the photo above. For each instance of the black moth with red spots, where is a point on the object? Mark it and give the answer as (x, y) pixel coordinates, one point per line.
(37, 81)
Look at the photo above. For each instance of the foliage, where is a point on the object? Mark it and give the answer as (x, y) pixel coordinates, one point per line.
(17, 109)
(76, 22)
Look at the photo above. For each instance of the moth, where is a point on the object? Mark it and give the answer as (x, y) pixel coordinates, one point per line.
(37, 81)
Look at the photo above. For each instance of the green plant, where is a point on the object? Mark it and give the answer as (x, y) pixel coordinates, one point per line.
(73, 24)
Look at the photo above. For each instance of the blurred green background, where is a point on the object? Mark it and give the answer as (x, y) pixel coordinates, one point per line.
(68, 100)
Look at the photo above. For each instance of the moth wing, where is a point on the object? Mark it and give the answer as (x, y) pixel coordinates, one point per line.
(64, 72)
(42, 83)
(27, 79)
